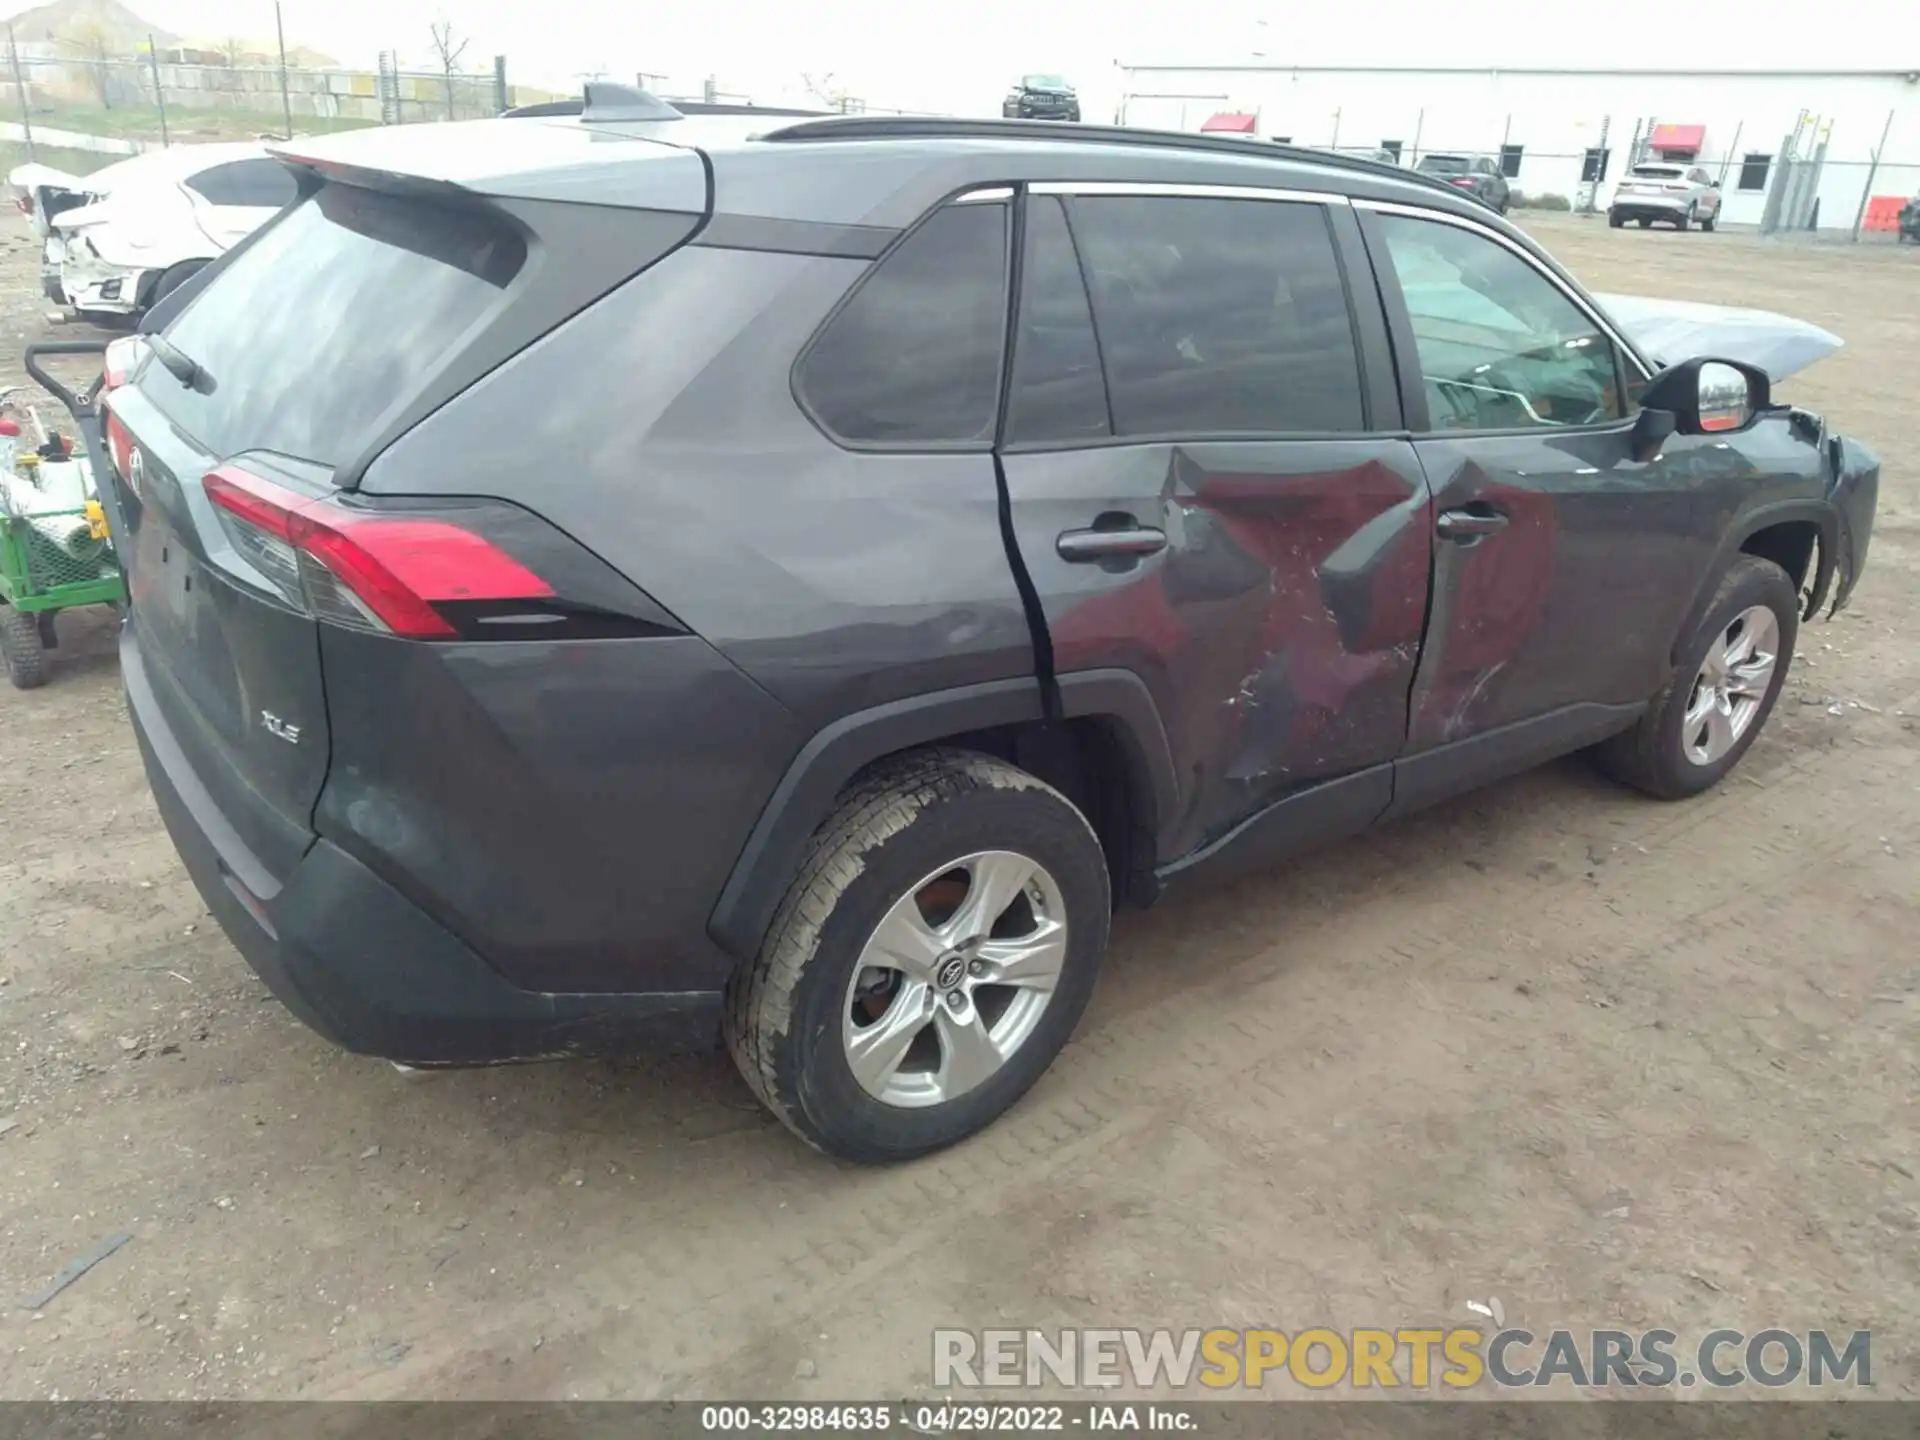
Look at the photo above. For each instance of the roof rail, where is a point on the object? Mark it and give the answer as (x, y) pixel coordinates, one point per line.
(924, 127)
(608, 101)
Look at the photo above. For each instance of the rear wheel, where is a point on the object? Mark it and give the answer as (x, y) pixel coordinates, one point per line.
(929, 961)
(1723, 688)
(26, 659)
(172, 279)
(1708, 223)
(1685, 222)
(1615, 219)
(1643, 222)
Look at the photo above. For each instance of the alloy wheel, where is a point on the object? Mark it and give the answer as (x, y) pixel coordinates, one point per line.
(1731, 686)
(954, 979)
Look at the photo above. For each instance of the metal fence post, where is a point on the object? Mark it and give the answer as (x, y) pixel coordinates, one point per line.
(502, 99)
(20, 87)
(1866, 191)
(1419, 124)
(286, 96)
(1733, 150)
(159, 97)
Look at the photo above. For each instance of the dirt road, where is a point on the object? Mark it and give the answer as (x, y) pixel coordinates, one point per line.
(1609, 1061)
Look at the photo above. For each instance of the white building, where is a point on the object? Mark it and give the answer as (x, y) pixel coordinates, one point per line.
(1548, 124)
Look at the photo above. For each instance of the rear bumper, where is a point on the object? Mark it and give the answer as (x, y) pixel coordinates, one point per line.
(103, 290)
(1648, 208)
(364, 966)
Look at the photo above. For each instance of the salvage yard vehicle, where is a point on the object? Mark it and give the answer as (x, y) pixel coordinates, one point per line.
(1674, 194)
(1909, 221)
(124, 237)
(1478, 175)
(1041, 97)
(42, 192)
(631, 595)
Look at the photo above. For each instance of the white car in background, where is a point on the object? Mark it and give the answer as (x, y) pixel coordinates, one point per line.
(116, 241)
(1670, 192)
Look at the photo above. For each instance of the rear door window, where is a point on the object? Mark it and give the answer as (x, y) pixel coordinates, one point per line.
(262, 184)
(1058, 392)
(1219, 316)
(332, 318)
(913, 356)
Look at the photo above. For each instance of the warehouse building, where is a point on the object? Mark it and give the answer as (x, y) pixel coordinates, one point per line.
(1792, 148)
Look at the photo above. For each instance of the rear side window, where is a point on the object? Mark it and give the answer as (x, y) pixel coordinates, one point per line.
(262, 183)
(330, 319)
(1058, 392)
(913, 357)
(1219, 316)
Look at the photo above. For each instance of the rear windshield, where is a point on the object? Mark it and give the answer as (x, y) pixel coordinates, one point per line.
(333, 317)
(1658, 172)
(1443, 164)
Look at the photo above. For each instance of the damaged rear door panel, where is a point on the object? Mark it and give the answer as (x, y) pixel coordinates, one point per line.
(1200, 495)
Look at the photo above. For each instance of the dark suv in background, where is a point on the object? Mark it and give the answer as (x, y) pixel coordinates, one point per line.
(599, 580)
(1478, 175)
(1041, 97)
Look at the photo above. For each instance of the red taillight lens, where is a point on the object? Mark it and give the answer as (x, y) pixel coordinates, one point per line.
(372, 571)
(1465, 182)
(122, 355)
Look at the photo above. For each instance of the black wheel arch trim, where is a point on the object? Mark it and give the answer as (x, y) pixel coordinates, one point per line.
(804, 797)
(1822, 514)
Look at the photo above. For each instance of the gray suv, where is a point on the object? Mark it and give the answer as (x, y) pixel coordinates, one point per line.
(617, 578)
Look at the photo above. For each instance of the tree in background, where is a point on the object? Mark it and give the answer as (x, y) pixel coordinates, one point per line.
(89, 40)
(827, 90)
(449, 49)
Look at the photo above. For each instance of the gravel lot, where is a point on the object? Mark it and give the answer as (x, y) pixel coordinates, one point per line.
(1613, 1062)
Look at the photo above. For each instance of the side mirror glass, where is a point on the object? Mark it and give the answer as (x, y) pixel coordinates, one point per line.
(1709, 396)
(1725, 400)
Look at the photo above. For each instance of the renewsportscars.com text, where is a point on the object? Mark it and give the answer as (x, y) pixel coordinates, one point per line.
(1417, 1359)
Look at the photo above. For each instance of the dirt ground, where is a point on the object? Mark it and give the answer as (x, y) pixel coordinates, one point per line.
(1613, 1062)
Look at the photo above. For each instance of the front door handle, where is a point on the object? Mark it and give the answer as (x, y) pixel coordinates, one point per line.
(1081, 546)
(1469, 524)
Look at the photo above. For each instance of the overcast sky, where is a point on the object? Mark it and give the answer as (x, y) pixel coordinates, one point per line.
(959, 56)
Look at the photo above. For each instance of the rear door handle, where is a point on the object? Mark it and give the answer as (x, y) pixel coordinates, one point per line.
(1469, 524)
(1080, 546)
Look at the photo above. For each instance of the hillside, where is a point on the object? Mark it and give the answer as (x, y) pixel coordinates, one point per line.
(125, 32)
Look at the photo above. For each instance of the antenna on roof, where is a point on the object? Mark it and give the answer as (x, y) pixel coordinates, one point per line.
(606, 100)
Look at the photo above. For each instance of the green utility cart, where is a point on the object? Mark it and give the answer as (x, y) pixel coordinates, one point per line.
(53, 554)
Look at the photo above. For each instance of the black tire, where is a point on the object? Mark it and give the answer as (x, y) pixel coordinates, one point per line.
(1708, 224)
(172, 279)
(1615, 220)
(1643, 222)
(1685, 222)
(20, 645)
(902, 822)
(1651, 756)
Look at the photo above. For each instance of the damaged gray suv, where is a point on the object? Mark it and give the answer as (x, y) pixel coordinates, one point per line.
(621, 578)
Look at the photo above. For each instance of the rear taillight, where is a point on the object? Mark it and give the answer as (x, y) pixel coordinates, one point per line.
(121, 357)
(407, 575)
(26, 203)
(1465, 182)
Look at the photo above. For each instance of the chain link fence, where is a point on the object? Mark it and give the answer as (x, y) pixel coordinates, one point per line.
(116, 106)
(1820, 178)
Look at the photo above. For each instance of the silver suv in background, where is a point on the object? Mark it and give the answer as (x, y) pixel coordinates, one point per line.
(1672, 193)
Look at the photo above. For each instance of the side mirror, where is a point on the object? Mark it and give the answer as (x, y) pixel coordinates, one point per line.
(1708, 396)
